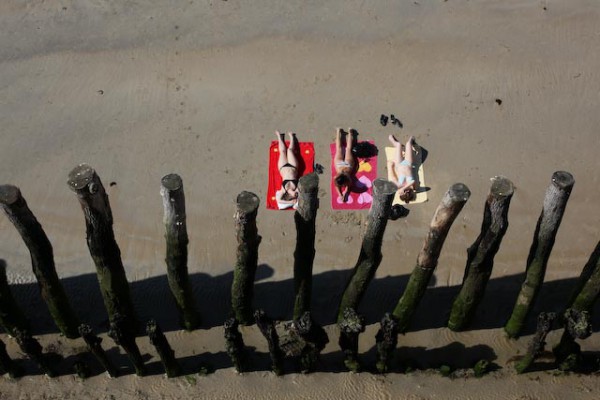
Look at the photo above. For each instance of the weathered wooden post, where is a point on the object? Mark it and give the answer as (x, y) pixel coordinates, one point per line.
(242, 289)
(351, 326)
(103, 247)
(536, 346)
(234, 344)
(11, 315)
(120, 331)
(305, 339)
(42, 259)
(267, 328)
(33, 349)
(568, 352)
(548, 223)
(450, 206)
(166, 354)
(387, 340)
(480, 256)
(7, 365)
(305, 217)
(370, 251)
(94, 345)
(176, 237)
(588, 286)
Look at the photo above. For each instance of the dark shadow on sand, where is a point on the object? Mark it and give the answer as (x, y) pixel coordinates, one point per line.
(152, 299)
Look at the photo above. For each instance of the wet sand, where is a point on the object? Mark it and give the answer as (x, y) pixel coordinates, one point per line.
(142, 90)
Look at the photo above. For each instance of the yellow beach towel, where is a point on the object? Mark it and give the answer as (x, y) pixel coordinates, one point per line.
(418, 163)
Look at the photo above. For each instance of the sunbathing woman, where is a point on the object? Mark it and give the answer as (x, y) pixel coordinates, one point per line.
(401, 169)
(345, 163)
(287, 196)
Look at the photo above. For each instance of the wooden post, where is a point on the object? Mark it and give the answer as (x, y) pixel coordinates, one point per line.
(267, 328)
(94, 345)
(42, 259)
(177, 255)
(370, 251)
(7, 364)
(548, 223)
(536, 346)
(387, 340)
(104, 250)
(234, 345)
(351, 326)
(11, 315)
(120, 331)
(305, 217)
(242, 289)
(588, 286)
(568, 351)
(166, 354)
(450, 206)
(480, 259)
(315, 339)
(33, 349)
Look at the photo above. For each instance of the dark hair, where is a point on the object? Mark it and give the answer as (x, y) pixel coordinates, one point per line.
(341, 180)
(287, 197)
(409, 195)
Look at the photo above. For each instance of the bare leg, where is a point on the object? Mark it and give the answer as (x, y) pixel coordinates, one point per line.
(338, 146)
(282, 150)
(349, 157)
(292, 150)
(397, 150)
(408, 152)
(391, 171)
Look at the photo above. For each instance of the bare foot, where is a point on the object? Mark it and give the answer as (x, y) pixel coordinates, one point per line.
(353, 132)
(280, 136)
(394, 141)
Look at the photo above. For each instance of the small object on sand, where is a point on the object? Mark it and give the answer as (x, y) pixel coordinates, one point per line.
(499, 101)
(100, 92)
(319, 169)
(396, 121)
(113, 184)
(383, 120)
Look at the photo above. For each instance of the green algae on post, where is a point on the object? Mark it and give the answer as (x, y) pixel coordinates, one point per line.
(102, 245)
(304, 254)
(480, 259)
(555, 202)
(445, 214)
(248, 239)
(42, 259)
(177, 240)
(370, 252)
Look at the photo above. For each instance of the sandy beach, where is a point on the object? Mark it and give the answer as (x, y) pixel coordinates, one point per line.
(142, 89)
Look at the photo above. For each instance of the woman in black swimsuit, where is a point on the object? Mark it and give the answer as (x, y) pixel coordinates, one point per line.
(287, 196)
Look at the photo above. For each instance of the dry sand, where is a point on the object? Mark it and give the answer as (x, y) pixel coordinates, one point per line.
(142, 89)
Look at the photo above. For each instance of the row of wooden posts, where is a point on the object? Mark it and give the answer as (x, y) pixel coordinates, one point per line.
(302, 336)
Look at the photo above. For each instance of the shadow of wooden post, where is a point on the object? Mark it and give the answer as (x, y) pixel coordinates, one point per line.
(12, 317)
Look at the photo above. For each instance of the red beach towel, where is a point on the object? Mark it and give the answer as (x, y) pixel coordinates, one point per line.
(307, 163)
(361, 195)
